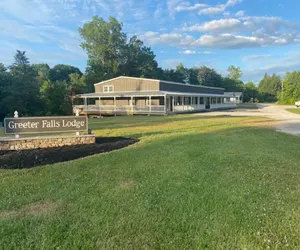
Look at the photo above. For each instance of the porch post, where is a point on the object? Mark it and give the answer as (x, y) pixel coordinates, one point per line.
(85, 103)
(115, 105)
(165, 102)
(150, 104)
(131, 105)
(99, 104)
(173, 101)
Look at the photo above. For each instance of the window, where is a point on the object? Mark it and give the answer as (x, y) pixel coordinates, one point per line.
(201, 100)
(108, 88)
(194, 100)
(187, 100)
(178, 101)
(219, 100)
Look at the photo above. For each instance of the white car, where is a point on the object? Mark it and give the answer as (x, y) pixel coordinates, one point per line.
(297, 104)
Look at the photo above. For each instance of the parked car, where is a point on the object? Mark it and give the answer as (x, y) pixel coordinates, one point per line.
(297, 104)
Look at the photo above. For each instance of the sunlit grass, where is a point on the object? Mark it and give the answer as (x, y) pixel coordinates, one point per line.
(294, 110)
(192, 182)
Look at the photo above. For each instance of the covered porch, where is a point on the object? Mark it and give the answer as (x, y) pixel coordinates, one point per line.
(154, 102)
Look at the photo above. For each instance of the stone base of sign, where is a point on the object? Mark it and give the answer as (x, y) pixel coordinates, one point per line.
(45, 142)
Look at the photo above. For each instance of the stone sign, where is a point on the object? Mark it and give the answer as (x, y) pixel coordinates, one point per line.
(36, 125)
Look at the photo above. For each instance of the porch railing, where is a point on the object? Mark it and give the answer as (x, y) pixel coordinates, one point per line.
(122, 108)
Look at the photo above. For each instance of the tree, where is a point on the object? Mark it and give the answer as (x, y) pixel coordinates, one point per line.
(250, 92)
(173, 76)
(5, 82)
(269, 87)
(61, 72)
(138, 60)
(42, 71)
(193, 76)
(291, 83)
(234, 73)
(22, 93)
(56, 98)
(111, 54)
(104, 43)
(209, 77)
(231, 85)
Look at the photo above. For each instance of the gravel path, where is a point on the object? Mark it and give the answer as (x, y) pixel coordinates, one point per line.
(286, 122)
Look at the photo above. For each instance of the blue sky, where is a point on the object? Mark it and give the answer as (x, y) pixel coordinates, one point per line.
(257, 35)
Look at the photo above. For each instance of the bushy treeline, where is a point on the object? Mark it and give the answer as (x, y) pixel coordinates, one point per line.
(37, 89)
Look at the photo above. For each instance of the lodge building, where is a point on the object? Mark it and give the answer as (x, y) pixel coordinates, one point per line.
(130, 95)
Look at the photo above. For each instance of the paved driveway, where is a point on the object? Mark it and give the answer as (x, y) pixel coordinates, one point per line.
(286, 122)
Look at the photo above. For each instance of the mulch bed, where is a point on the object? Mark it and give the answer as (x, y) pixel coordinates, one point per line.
(37, 157)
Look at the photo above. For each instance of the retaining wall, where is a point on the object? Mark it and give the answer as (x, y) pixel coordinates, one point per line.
(44, 142)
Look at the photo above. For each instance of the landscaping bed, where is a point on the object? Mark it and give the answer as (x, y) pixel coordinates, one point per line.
(37, 157)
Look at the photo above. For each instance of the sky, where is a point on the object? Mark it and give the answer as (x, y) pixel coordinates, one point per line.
(259, 36)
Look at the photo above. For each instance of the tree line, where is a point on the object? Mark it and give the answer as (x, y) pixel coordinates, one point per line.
(37, 89)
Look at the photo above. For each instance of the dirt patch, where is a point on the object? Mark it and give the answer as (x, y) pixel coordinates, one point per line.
(127, 184)
(38, 157)
(34, 209)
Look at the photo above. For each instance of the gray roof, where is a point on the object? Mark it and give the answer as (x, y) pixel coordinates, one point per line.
(146, 93)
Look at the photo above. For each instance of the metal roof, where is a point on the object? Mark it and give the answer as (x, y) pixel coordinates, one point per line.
(146, 93)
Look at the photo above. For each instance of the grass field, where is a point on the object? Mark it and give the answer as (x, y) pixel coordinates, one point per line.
(192, 182)
(294, 110)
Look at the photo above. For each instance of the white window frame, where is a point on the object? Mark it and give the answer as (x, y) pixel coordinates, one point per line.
(108, 88)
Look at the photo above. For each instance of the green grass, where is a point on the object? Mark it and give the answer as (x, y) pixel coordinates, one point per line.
(192, 182)
(247, 106)
(294, 110)
(1, 132)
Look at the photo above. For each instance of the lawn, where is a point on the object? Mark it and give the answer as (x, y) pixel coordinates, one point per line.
(192, 182)
(294, 110)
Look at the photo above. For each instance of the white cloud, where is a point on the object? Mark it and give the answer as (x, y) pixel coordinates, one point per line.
(188, 7)
(286, 63)
(213, 10)
(215, 25)
(253, 58)
(168, 38)
(240, 13)
(228, 41)
(188, 52)
(218, 9)
(207, 52)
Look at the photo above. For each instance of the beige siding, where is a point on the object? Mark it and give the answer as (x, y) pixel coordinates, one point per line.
(127, 84)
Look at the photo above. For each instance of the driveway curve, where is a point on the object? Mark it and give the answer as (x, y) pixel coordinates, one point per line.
(285, 121)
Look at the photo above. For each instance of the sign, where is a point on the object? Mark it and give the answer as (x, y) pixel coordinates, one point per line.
(53, 124)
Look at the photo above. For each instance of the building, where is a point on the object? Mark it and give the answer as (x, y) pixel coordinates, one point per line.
(130, 95)
(235, 97)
